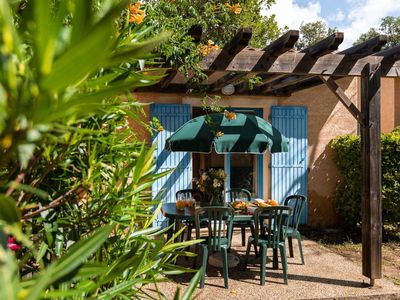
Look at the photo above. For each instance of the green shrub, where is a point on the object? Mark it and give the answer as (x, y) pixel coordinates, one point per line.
(347, 196)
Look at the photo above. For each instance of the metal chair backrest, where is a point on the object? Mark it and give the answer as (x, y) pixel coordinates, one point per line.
(190, 193)
(237, 193)
(275, 220)
(216, 217)
(296, 202)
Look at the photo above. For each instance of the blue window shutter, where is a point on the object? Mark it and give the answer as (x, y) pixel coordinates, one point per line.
(289, 170)
(171, 116)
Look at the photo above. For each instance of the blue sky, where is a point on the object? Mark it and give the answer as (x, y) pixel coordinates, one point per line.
(353, 17)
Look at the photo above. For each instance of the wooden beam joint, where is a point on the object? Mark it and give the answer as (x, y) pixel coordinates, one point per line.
(340, 94)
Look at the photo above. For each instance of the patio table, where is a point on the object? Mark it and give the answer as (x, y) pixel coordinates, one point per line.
(176, 216)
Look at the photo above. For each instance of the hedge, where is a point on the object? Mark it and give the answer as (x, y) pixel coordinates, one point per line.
(347, 197)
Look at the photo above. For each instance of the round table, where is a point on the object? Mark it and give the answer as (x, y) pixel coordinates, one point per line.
(175, 217)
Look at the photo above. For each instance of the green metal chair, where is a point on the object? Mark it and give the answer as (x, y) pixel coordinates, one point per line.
(215, 240)
(275, 220)
(232, 195)
(296, 202)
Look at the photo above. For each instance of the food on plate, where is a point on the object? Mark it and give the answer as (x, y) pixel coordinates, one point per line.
(260, 203)
(239, 204)
(272, 202)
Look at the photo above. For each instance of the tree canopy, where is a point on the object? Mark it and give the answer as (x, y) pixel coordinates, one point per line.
(389, 26)
(313, 32)
(219, 20)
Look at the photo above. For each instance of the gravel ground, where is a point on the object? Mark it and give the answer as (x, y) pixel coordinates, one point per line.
(324, 275)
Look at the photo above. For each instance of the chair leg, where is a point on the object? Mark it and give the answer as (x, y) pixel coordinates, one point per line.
(263, 254)
(246, 258)
(188, 237)
(298, 236)
(275, 259)
(252, 233)
(224, 254)
(282, 249)
(243, 236)
(290, 242)
(189, 233)
(204, 266)
(196, 251)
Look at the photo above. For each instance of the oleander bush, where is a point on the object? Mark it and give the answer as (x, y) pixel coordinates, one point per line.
(75, 209)
(348, 194)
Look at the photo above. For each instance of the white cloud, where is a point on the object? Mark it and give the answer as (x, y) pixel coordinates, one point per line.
(289, 13)
(365, 14)
(338, 17)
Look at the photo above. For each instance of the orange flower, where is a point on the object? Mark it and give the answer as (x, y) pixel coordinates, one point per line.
(210, 47)
(136, 15)
(219, 134)
(236, 8)
(230, 115)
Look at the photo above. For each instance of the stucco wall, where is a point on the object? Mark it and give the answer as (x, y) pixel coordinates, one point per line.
(390, 103)
(327, 118)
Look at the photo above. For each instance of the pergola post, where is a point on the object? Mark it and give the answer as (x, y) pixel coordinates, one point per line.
(371, 206)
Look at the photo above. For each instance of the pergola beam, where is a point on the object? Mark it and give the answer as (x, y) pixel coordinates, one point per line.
(225, 56)
(323, 47)
(369, 47)
(281, 45)
(366, 48)
(300, 64)
(340, 94)
(371, 198)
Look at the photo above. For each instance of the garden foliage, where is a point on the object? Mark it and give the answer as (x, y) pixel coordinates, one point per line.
(348, 193)
(74, 177)
(219, 20)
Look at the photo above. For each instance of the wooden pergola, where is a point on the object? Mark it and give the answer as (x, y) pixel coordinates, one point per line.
(283, 71)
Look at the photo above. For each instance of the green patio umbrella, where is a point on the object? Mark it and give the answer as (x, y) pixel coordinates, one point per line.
(243, 134)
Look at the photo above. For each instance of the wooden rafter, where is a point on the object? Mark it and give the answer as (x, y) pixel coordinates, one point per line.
(226, 55)
(359, 51)
(281, 45)
(321, 48)
(340, 94)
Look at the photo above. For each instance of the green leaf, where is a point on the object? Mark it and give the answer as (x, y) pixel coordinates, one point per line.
(192, 286)
(75, 256)
(8, 210)
(138, 50)
(9, 280)
(90, 53)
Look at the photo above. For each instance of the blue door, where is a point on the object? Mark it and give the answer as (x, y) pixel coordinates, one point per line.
(289, 170)
(171, 116)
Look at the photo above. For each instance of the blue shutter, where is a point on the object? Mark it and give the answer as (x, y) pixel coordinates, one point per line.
(171, 116)
(289, 170)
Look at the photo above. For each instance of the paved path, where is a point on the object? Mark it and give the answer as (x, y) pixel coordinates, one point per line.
(325, 275)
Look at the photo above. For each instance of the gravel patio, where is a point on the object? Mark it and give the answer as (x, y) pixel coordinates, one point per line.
(325, 275)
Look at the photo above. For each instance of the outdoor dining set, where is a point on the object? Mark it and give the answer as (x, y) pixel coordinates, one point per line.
(218, 212)
(270, 226)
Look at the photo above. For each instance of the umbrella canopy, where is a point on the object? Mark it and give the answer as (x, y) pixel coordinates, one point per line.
(243, 134)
